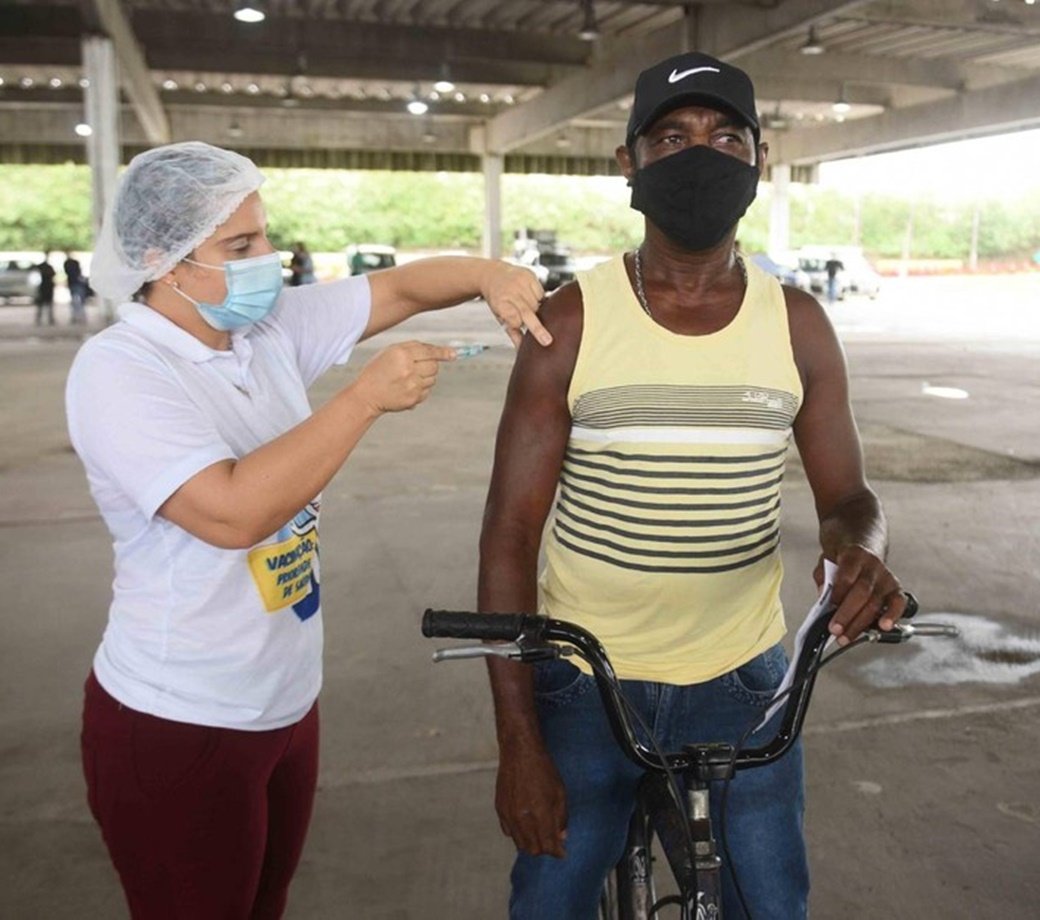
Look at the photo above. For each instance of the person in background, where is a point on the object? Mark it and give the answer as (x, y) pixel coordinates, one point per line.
(655, 432)
(77, 286)
(301, 265)
(44, 298)
(832, 266)
(191, 418)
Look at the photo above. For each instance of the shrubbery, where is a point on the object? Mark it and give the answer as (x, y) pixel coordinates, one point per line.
(49, 207)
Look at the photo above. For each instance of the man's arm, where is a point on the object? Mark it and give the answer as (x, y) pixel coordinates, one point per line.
(853, 532)
(532, 438)
(513, 293)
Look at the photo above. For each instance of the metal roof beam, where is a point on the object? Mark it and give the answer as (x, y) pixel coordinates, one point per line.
(869, 69)
(722, 30)
(995, 109)
(135, 77)
(339, 48)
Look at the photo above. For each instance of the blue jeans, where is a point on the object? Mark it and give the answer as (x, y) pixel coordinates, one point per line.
(763, 811)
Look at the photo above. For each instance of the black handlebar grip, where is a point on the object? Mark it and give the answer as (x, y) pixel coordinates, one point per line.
(455, 624)
(911, 606)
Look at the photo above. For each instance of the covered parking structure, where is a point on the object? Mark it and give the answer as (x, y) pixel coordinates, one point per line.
(524, 86)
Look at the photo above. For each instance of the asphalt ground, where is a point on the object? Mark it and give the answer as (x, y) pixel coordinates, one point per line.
(923, 789)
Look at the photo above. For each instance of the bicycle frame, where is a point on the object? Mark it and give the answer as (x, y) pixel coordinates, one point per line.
(697, 870)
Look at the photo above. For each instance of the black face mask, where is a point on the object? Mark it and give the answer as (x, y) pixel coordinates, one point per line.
(695, 196)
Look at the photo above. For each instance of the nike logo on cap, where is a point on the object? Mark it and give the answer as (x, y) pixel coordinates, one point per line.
(675, 76)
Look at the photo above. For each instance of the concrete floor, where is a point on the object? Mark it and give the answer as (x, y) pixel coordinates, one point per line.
(924, 798)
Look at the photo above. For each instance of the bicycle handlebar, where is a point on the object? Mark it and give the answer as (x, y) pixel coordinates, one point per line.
(455, 624)
(534, 634)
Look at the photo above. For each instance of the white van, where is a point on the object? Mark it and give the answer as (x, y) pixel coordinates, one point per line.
(857, 275)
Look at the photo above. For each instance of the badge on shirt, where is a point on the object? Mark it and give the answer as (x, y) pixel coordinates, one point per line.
(286, 571)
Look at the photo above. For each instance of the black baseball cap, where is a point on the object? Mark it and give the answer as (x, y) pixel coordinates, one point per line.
(686, 79)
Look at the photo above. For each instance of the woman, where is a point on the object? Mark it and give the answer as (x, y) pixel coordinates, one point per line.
(200, 730)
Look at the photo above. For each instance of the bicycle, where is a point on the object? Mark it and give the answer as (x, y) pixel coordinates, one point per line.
(681, 823)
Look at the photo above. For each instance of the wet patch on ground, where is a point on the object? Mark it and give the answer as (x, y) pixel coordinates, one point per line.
(985, 652)
(904, 456)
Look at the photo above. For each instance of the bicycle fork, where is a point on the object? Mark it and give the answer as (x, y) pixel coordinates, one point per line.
(707, 863)
(696, 870)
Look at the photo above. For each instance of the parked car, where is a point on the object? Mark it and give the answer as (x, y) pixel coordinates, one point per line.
(19, 277)
(861, 277)
(790, 275)
(539, 249)
(369, 257)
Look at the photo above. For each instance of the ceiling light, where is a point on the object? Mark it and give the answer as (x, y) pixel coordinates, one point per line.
(460, 97)
(444, 83)
(775, 120)
(250, 11)
(1, 81)
(83, 129)
(55, 83)
(484, 97)
(83, 82)
(842, 105)
(169, 84)
(589, 28)
(289, 101)
(416, 105)
(200, 87)
(253, 89)
(227, 88)
(26, 82)
(812, 45)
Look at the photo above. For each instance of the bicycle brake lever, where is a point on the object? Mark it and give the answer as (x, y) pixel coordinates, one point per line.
(903, 632)
(514, 651)
(505, 650)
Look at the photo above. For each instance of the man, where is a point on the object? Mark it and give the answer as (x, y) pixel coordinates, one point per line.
(44, 298)
(302, 266)
(77, 286)
(832, 266)
(662, 412)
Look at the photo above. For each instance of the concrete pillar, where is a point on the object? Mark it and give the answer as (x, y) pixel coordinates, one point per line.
(101, 98)
(492, 205)
(780, 211)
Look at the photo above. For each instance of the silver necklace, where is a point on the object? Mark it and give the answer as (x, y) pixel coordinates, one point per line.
(641, 291)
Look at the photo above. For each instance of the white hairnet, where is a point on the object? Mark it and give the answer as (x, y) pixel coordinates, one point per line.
(168, 201)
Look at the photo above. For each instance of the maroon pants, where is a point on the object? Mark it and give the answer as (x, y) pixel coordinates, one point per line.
(201, 823)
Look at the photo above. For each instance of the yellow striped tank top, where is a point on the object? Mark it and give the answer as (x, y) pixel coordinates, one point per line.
(665, 537)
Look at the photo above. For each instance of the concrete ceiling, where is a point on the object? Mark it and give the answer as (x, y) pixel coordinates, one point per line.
(326, 82)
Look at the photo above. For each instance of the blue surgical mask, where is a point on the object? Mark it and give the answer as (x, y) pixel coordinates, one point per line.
(253, 286)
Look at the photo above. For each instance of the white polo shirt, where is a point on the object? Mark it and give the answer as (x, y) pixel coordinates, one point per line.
(230, 638)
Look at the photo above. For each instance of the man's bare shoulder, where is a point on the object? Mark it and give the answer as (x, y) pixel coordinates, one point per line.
(560, 313)
(813, 340)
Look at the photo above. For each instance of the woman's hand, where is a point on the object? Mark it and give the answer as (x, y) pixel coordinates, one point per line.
(401, 376)
(514, 295)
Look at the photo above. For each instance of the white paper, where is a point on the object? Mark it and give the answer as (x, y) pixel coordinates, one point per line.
(823, 607)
